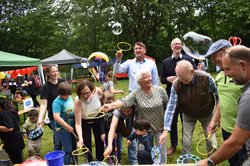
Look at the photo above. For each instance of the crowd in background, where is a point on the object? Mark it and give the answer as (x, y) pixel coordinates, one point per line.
(144, 116)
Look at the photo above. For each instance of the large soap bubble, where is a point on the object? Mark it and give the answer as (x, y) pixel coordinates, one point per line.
(117, 28)
(196, 45)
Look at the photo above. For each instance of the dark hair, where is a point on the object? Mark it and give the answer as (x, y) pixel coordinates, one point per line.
(6, 104)
(239, 52)
(80, 85)
(141, 124)
(64, 88)
(33, 113)
(140, 44)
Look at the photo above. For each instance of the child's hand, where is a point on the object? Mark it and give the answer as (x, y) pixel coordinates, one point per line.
(107, 151)
(128, 142)
(25, 135)
(80, 143)
(103, 136)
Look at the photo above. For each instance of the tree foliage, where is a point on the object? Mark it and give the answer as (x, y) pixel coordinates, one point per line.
(42, 28)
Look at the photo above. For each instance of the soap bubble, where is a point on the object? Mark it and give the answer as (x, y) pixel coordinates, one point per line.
(196, 45)
(117, 28)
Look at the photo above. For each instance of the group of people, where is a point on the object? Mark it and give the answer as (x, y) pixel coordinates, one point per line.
(149, 110)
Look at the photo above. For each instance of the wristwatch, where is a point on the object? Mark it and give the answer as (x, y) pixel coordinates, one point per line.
(210, 162)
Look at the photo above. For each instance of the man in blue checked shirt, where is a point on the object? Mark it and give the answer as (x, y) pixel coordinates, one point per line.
(194, 93)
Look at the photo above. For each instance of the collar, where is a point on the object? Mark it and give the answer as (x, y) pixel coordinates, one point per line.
(246, 86)
(144, 60)
(180, 56)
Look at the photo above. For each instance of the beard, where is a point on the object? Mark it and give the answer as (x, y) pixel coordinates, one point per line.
(237, 82)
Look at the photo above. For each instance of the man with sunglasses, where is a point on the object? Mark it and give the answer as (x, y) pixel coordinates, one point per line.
(236, 64)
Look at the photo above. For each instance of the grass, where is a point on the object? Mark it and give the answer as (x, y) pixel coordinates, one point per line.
(47, 144)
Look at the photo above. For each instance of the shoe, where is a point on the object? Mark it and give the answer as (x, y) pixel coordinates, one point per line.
(171, 150)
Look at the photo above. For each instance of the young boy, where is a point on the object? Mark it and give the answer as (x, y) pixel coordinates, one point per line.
(63, 112)
(29, 125)
(144, 141)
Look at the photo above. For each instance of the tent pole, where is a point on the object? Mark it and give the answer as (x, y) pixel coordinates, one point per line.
(40, 72)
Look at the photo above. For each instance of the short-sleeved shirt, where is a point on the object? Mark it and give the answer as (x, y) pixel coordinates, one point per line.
(9, 120)
(66, 110)
(229, 94)
(150, 107)
(49, 92)
(243, 118)
(107, 85)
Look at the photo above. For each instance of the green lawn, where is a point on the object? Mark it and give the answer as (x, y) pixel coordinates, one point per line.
(47, 144)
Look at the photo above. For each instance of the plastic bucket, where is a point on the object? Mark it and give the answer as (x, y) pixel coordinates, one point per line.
(55, 158)
(4, 158)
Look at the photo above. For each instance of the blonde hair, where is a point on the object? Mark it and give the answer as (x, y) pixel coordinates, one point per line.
(110, 75)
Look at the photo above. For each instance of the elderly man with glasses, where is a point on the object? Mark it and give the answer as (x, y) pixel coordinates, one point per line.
(194, 92)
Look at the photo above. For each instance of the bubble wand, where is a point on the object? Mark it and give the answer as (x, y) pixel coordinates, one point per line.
(122, 46)
(208, 138)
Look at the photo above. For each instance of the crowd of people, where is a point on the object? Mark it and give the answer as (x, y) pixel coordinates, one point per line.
(147, 113)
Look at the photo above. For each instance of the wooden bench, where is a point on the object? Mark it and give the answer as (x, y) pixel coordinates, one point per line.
(25, 111)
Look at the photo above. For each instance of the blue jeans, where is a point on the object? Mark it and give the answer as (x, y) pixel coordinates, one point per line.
(132, 158)
(68, 143)
(163, 147)
(57, 143)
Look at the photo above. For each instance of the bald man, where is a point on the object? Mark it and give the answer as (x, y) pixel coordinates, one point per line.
(168, 75)
(194, 93)
(236, 64)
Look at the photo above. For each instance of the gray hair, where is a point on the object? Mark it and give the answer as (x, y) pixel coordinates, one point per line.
(186, 64)
(140, 72)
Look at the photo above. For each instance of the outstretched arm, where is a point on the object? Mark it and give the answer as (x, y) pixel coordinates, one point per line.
(111, 135)
(42, 112)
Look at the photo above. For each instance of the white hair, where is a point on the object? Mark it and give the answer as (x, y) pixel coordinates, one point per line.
(139, 74)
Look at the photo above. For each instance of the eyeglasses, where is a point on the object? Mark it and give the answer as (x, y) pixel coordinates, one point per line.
(86, 93)
(175, 44)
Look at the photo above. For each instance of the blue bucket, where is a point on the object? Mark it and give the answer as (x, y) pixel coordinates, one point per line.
(55, 158)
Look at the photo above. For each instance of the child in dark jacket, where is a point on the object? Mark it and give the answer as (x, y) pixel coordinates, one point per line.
(144, 141)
